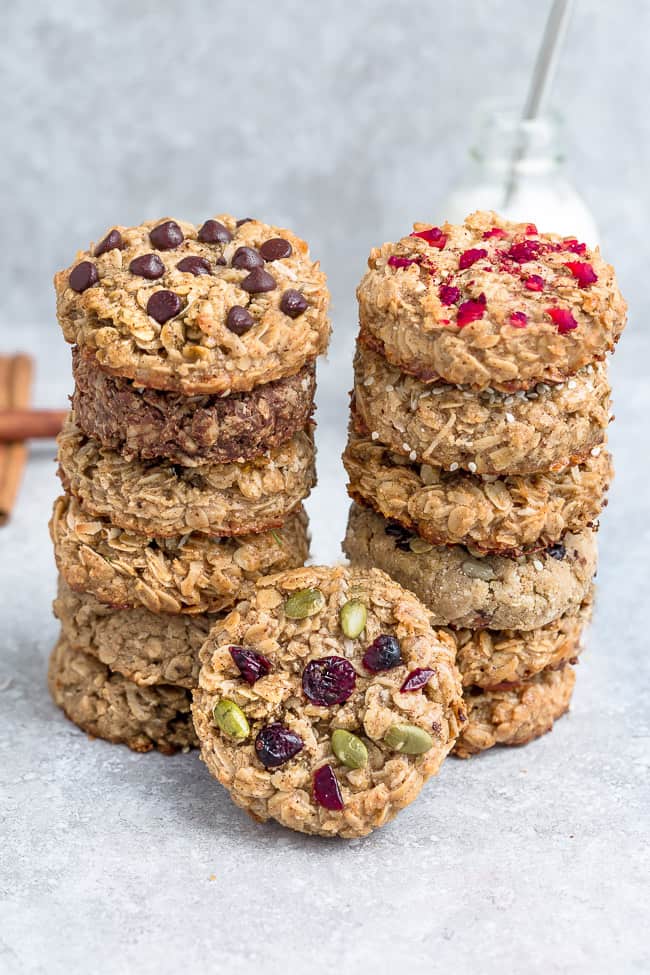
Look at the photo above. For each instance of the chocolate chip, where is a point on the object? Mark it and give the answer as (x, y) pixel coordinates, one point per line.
(166, 236)
(239, 320)
(244, 220)
(221, 261)
(163, 305)
(112, 241)
(83, 276)
(275, 249)
(246, 258)
(557, 551)
(147, 266)
(213, 232)
(194, 265)
(293, 303)
(257, 281)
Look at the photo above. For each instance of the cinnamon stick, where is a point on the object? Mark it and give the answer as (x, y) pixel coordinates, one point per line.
(29, 424)
(16, 374)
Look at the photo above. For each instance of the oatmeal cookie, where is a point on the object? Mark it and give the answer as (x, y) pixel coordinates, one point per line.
(145, 647)
(216, 308)
(107, 705)
(506, 515)
(327, 701)
(147, 424)
(191, 574)
(545, 428)
(515, 715)
(489, 303)
(465, 591)
(488, 658)
(162, 499)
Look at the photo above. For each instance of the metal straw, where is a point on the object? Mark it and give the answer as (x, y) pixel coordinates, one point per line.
(542, 79)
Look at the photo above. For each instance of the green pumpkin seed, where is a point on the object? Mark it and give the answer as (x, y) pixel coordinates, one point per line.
(408, 739)
(304, 603)
(353, 618)
(419, 546)
(230, 718)
(349, 749)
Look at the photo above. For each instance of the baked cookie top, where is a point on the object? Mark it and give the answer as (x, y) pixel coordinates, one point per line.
(327, 700)
(489, 303)
(211, 308)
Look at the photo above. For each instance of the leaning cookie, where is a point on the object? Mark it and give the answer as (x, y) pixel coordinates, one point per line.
(216, 308)
(489, 303)
(492, 658)
(147, 424)
(190, 574)
(159, 498)
(145, 647)
(506, 515)
(515, 715)
(326, 701)
(465, 591)
(106, 705)
(545, 428)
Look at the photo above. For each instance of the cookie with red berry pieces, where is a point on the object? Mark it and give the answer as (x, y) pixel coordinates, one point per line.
(147, 424)
(327, 700)
(515, 714)
(107, 705)
(464, 589)
(510, 514)
(162, 499)
(544, 428)
(489, 303)
(215, 308)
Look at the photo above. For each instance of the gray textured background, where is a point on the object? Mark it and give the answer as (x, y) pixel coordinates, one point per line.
(345, 121)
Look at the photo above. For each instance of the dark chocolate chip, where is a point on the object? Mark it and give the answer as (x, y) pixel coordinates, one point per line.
(239, 320)
(221, 261)
(83, 276)
(293, 303)
(401, 535)
(194, 265)
(244, 220)
(163, 305)
(213, 232)
(147, 266)
(112, 241)
(246, 258)
(557, 551)
(275, 249)
(257, 281)
(166, 236)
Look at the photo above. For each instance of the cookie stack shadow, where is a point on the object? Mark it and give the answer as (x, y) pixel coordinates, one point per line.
(184, 460)
(477, 458)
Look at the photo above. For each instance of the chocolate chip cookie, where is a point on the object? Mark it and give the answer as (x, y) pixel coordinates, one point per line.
(489, 303)
(326, 700)
(216, 308)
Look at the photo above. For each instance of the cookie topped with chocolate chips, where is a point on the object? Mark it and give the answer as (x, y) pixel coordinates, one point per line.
(326, 700)
(489, 303)
(217, 308)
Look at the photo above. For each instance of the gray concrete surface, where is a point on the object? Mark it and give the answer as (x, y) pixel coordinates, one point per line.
(345, 121)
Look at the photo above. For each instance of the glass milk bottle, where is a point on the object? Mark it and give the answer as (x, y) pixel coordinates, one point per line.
(517, 169)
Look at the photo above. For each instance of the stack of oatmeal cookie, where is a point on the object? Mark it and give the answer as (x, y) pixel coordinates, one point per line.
(185, 458)
(476, 456)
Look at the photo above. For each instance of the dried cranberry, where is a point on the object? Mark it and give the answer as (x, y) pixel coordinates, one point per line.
(557, 551)
(394, 261)
(563, 319)
(519, 319)
(276, 744)
(467, 258)
(251, 665)
(327, 792)
(471, 311)
(384, 653)
(448, 294)
(328, 680)
(434, 237)
(582, 272)
(525, 250)
(534, 283)
(417, 679)
(494, 232)
(401, 535)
